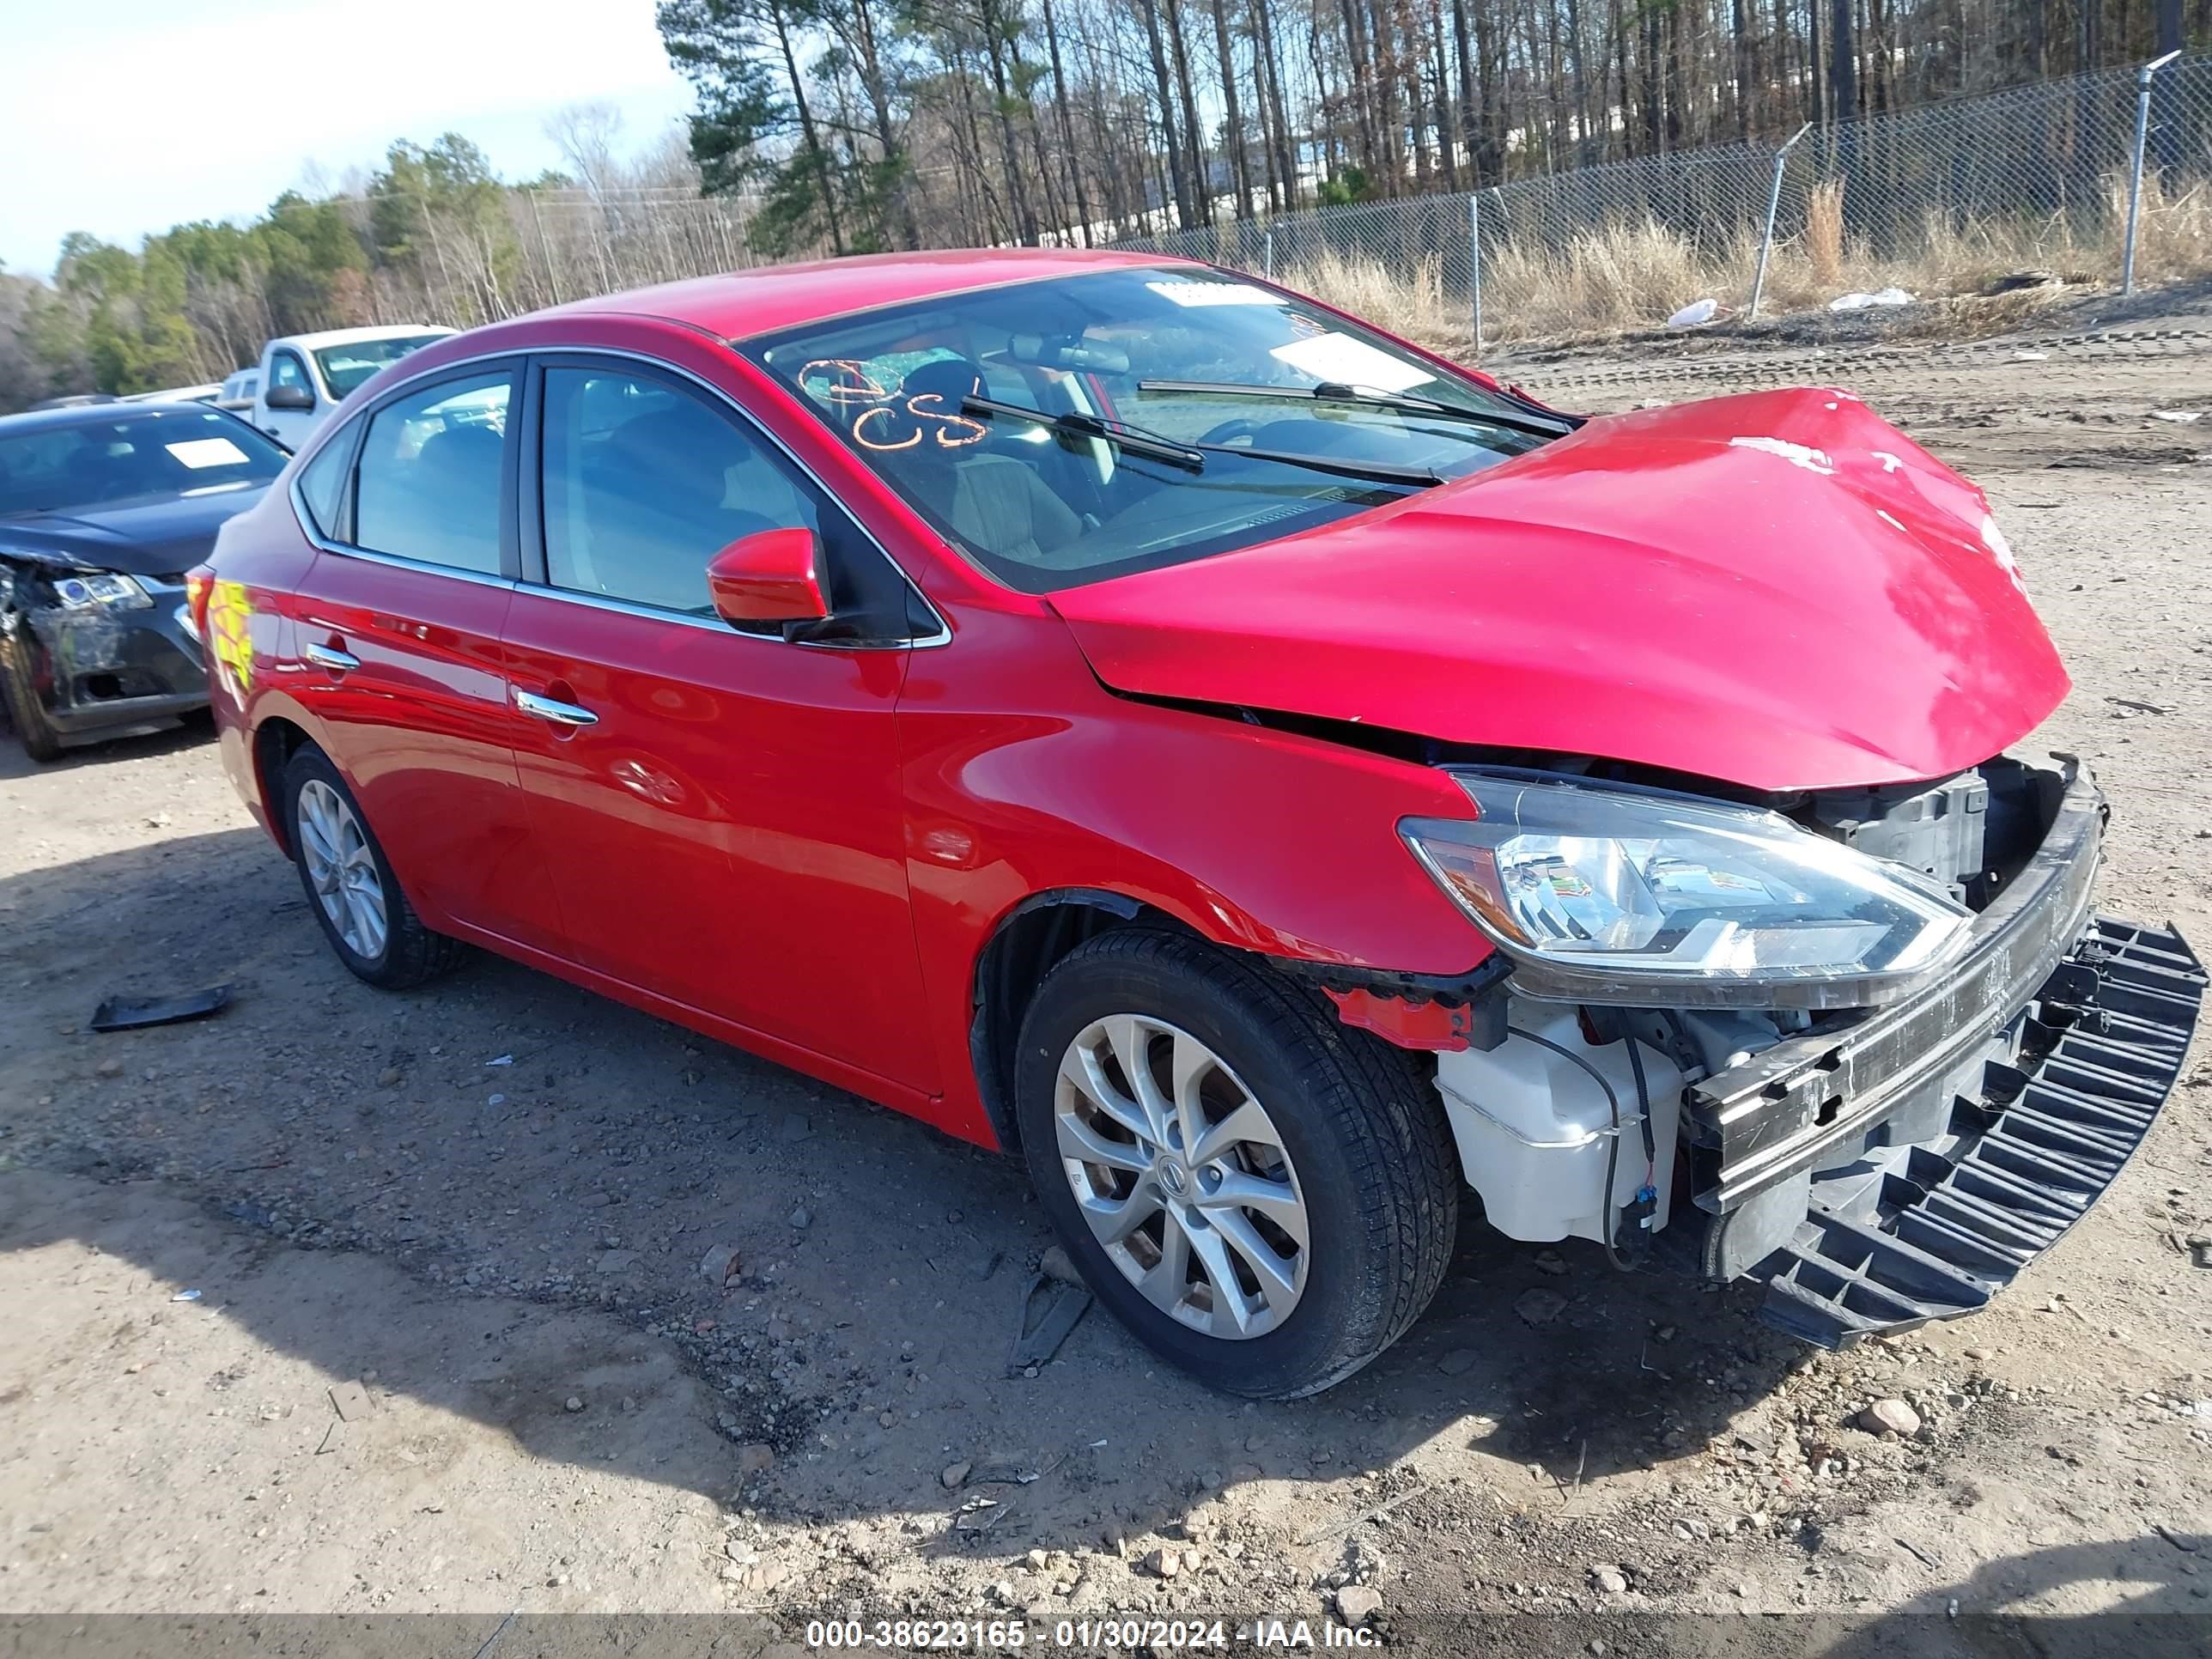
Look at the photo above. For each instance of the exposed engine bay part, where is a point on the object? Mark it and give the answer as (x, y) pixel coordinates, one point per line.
(1537, 1119)
(1972, 831)
(1807, 1102)
(1711, 1039)
(1876, 1168)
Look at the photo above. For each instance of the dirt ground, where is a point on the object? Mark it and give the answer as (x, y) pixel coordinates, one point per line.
(620, 1320)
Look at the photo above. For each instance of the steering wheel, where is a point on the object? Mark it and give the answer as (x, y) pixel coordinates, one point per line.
(1227, 431)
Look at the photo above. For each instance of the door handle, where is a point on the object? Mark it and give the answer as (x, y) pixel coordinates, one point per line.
(329, 657)
(559, 714)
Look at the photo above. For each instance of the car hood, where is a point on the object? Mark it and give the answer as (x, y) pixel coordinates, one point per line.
(140, 536)
(1777, 590)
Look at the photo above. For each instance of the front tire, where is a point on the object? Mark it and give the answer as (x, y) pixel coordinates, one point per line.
(1263, 1196)
(25, 712)
(349, 885)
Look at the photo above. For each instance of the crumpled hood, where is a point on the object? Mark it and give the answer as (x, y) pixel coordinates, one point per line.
(142, 536)
(1778, 590)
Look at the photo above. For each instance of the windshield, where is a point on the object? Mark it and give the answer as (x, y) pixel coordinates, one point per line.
(1181, 354)
(184, 451)
(345, 367)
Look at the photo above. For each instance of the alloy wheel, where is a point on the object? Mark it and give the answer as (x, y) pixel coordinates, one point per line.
(342, 869)
(1181, 1176)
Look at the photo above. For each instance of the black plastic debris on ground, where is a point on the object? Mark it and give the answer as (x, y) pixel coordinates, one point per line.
(130, 1014)
(1050, 1308)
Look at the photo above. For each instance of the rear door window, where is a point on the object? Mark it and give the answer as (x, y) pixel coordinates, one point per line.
(429, 482)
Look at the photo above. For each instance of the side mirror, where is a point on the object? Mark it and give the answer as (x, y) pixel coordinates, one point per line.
(769, 576)
(289, 396)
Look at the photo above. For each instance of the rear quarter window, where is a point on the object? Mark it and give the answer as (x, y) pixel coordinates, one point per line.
(323, 482)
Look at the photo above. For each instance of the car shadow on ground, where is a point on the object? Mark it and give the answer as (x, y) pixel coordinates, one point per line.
(2146, 1589)
(499, 1133)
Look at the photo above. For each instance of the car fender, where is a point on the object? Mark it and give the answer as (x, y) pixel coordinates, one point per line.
(1025, 777)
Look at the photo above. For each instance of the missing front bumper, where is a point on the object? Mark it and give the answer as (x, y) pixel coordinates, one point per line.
(1931, 1230)
(1879, 1171)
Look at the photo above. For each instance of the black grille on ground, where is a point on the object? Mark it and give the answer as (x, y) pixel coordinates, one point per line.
(1954, 1226)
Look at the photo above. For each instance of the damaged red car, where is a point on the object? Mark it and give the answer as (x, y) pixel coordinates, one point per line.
(1296, 793)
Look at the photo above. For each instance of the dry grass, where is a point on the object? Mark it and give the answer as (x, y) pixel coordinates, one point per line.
(1608, 276)
(1824, 232)
(1405, 299)
(2175, 237)
(1634, 274)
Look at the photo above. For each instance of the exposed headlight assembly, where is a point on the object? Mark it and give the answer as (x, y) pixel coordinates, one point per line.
(1609, 893)
(103, 588)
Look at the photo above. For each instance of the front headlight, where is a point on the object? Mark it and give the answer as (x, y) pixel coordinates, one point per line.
(82, 592)
(1604, 893)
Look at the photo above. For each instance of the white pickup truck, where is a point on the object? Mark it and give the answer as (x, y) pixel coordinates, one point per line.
(304, 377)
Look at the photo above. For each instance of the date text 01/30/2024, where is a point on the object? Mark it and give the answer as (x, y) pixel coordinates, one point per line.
(1098, 1634)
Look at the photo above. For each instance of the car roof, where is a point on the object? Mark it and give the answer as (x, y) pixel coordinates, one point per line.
(44, 419)
(330, 336)
(740, 303)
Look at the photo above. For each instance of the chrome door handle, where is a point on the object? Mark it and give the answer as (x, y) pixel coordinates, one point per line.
(560, 714)
(329, 657)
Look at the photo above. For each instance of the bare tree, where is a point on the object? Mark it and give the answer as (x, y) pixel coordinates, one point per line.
(585, 134)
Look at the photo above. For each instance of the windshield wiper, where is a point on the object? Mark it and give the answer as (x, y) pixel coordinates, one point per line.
(1338, 391)
(1191, 458)
(1077, 425)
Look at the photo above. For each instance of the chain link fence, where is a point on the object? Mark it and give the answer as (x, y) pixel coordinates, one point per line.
(2034, 177)
(1933, 200)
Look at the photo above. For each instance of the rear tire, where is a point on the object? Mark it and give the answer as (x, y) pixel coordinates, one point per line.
(26, 713)
(1347, 1145)
(349, 885)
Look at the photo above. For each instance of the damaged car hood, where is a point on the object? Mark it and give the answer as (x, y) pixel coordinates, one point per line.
(159, 535)
(1778, 590)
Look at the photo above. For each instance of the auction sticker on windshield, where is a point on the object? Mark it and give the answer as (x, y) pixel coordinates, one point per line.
(1334, 357)
(198, 453)
(1214, 293)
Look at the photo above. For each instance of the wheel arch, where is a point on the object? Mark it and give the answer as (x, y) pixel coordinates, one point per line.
(276, 740)
(1022, 949)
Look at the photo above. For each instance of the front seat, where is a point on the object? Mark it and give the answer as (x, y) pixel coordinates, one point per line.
(989, 498)
(1001, 505)
(660, 510)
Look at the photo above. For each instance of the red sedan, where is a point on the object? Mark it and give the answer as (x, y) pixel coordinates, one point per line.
(1273, 779)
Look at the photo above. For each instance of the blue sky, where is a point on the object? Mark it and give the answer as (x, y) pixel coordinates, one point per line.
(124, 117)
